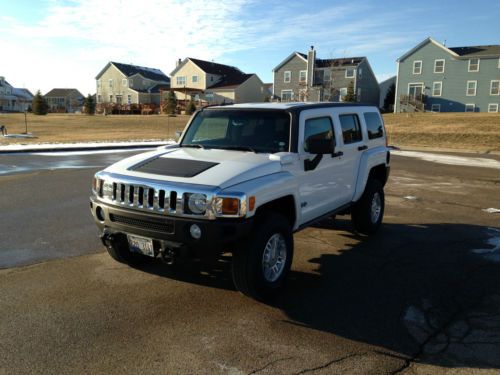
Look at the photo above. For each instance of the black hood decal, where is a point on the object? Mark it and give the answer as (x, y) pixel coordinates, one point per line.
(173, 167)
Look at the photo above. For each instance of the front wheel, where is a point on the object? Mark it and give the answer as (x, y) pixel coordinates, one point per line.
(368, 212)
(261, 264)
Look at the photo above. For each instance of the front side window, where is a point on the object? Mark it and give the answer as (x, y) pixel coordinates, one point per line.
(374, 125)
(471, 88)
(470, 107)
(302, 75)
(241, 130)
(180, 80)
(320, 128)
(438, 66)
(287, 76)
(286, 95)
(495, 88)
(350, 72)
(436, 108)
(351, 130)
(417, 67)
(437, 88)
(474, 65)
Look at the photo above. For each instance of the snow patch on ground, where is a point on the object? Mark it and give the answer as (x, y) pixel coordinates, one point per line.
(410, 198)
(492, 210)
(450, 159)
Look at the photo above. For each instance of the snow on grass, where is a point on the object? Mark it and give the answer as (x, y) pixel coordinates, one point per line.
(450, 159)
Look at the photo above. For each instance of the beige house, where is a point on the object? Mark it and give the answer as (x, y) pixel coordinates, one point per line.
(64, 100)
(212, 83)
(124, 84)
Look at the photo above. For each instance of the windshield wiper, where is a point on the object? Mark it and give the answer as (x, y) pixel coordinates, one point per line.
(237, 148)
(193, 145)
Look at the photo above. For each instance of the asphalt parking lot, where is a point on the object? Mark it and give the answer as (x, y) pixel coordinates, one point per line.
(421, 296)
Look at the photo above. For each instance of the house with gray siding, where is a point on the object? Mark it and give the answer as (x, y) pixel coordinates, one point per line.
(14, 99)
(433, 77)
(64, 100)
(303, 77)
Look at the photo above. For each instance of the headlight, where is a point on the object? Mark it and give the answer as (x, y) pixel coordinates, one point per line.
(197, 203)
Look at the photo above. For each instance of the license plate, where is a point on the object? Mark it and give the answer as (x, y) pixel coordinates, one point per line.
(141, 245)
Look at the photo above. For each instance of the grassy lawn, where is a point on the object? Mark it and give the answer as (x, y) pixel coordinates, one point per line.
(467, 131)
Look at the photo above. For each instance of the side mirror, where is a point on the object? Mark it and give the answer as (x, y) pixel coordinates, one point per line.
(177, 135)
(319, 146)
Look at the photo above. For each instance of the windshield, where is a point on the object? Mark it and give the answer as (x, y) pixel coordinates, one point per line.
(245, 130)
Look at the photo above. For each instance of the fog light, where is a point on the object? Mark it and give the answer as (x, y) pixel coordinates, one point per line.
(195, 231)
(99, 213)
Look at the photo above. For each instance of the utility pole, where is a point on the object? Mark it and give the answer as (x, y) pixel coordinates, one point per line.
(26, 121)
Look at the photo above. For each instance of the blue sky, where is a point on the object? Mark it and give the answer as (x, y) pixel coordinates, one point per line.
(52, 43)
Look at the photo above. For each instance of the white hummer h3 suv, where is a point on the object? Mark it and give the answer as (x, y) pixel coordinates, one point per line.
(242, 179)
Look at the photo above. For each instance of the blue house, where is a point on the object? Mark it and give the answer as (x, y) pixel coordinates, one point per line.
(433, 77)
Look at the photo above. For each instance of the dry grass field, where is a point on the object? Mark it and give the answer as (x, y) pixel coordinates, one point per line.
(460, 131)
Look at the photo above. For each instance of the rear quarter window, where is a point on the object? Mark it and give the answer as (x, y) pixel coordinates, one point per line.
(374, 125)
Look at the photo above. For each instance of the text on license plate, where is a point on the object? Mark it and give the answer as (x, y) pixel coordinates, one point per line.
(141, 245)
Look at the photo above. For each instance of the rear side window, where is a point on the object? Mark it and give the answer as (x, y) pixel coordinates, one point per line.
(351, 130)
(318, 128)
(374, 125)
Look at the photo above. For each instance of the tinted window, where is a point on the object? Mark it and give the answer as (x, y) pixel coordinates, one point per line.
(374, 125)
(351, 131)
(318, 128)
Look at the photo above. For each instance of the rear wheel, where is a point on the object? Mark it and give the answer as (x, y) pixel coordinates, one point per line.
(368, 212)
(261, 264)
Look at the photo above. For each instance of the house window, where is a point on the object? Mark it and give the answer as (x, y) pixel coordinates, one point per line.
(495, 88)
(287, 76)
(360, 72)
(436, 108)
(98, 83)
(110, 83)
(358, 96)
(194, 79)
(342, 93)
(471, 88)
(302, 75)
(124, 82)
(99, 99)
(351, 129)
(473, 65)
(129, 99)
(286, 95)
(111, 98)
(118, 99)
(470, 107)
(327, 75)
(438, 66)
(437, 88)
(417, 67)
(493, 107)
(350, 72)
(181, 80)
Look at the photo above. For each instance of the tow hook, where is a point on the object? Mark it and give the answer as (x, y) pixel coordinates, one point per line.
(107, 239)
(169, 256)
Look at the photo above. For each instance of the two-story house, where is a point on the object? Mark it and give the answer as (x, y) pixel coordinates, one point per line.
(64, 100)
(125, 84)
(212, 83)
(433, 77)
(302, 77)
(14, 99)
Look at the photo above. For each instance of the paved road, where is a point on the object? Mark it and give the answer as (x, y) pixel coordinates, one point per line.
(422, 296)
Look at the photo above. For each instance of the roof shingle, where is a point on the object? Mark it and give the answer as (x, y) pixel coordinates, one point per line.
(150, 73)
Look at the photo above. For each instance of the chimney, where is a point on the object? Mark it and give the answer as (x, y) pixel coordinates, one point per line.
(178, 62)
(1, 80)
(311, 62)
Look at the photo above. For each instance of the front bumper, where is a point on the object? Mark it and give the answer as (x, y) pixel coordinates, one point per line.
(215, 234)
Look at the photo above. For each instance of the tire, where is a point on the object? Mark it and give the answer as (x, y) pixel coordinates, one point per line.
(368, 212)
(252, 264)
(119, 251)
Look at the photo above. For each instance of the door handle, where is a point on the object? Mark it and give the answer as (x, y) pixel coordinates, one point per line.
(336, 154)
(362, 148)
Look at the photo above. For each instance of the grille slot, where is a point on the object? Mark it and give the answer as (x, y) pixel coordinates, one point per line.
(163, 225)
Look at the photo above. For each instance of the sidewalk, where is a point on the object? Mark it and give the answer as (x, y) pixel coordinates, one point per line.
(84, 146)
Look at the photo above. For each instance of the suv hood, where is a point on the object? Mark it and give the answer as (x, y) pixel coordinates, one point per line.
(212, 167)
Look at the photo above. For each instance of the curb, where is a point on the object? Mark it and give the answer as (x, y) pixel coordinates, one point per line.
(68, 147)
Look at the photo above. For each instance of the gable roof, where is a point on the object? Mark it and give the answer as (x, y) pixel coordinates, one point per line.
(489, 50)
(303, 56)
(324, 63)
(22, 92)
(423, 43)
(231, 81)
(60, 93)
(153, 89)
(210, 67)
(129, 70)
